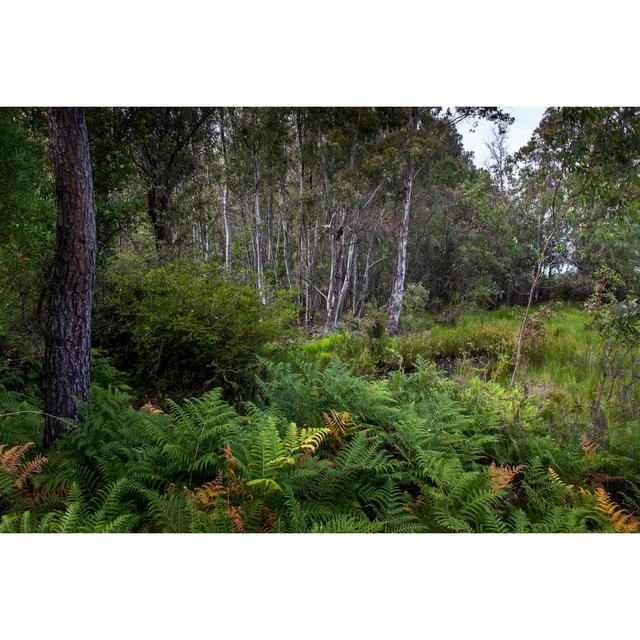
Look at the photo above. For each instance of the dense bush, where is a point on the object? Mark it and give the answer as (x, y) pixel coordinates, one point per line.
(181, 328)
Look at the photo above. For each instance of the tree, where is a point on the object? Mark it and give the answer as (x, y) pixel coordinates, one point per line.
(68, 334)
(161, 139)
(418, 140)
(580, 165)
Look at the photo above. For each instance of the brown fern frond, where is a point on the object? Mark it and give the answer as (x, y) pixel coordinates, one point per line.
(621, 520)
(268, 519)
(413, 506)
(235, 513)
(588, 445)
(600, 479)
(502, 477)
(46, 494)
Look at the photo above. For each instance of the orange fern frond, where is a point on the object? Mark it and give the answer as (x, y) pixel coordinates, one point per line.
(206, 495)
(311, 441)
(149, 407)
(232, 463)
(588, 445)
(502, 477)
(11, 458)
(340, 424)
(571, 488)
(621, 520)
(12, 461)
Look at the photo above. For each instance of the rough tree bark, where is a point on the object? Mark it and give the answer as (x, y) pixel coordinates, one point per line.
(68, 334)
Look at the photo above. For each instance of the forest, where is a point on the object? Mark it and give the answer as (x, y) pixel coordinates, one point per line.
(325, 320)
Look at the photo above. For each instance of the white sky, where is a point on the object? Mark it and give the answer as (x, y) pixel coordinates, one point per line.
(526, 120)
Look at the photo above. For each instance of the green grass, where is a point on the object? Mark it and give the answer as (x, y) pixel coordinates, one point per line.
(561, 366)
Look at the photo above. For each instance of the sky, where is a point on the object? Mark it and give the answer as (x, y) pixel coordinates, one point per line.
(526, 120)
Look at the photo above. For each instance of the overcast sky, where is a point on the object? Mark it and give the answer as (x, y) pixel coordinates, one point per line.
(527, 119)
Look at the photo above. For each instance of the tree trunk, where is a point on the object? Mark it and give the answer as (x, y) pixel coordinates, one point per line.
(270, 228)
(397, 293)
(259, 268)
(523, 324)
(68, 335)
(365, 278)
(285, 241)
(345, 283)
(158, 205)
(225, 197)
(304, 274)
(340, 273)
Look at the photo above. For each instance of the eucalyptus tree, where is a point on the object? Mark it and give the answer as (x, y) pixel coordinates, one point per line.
(580, 167)
(254, 156)
(418, 143)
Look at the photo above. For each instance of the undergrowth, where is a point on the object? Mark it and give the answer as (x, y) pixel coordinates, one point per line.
(320, 450)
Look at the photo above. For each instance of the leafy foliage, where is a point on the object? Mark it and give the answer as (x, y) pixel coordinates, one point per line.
(183, 326)
(322, 451)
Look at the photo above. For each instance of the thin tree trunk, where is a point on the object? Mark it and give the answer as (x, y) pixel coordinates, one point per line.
(523, 324)
(397, 293)
(354, 285)
(304, 273)
(68, 335)
(336, 278)
(345, 283)
(225, 197)
(270, 228)
(365, 276)
(259, 268)
(285, 242)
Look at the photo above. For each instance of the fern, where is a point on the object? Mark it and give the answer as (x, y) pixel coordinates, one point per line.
(622, 521)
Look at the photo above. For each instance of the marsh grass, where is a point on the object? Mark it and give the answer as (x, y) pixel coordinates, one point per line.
(561, 364)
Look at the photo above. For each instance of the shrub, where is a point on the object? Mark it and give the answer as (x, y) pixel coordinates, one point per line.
(181, 327)
(415, 299)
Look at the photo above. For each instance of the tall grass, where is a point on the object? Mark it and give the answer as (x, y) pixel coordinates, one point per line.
(561, 364)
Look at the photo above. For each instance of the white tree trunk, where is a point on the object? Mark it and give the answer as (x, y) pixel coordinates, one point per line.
(397, 293)
(345, 283)
(259, 268)
(225, 198)
(285, 241)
